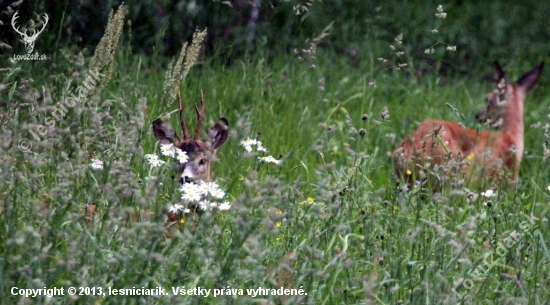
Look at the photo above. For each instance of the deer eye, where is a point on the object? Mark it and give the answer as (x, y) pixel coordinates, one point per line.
(202, 162)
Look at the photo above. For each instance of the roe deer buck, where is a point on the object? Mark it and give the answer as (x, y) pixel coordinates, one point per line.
(200, 152)
(438, 148)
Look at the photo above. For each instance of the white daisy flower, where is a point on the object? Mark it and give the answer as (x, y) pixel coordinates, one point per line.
(154, 160)
(488, 193)
(208, 187)
(275, 161)
(96, 164)
(217, 193)
(191, 196)
(224, 206)
(203, 188)
(203, 205)
(269, 159)
(167, 150)
(156, 163)
(181, 156)
(249, 142)
(151, 156)
(189, 187)
(187, 211)
(213, 185)
(175, 208)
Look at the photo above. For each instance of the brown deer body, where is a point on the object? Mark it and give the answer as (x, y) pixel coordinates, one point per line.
(438, 148)
(200, 152)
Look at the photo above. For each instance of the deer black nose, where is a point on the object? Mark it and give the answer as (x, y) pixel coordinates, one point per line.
(185, 179)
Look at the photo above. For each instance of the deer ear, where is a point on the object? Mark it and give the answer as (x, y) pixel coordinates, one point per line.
(499, 73)
(164, 133)
(530, 78)
(218, 133)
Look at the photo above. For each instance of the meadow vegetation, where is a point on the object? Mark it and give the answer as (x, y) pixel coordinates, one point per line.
(328, 219)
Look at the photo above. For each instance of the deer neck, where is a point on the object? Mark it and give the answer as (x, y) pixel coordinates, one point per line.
(513, 121)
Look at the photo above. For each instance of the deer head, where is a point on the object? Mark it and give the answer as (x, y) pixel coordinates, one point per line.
(501, 101)
(200, 152)
(29, 40)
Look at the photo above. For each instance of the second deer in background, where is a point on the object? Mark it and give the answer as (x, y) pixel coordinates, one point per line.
(438, 150)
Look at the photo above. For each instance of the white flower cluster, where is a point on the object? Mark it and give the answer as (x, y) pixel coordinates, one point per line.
(167, 150)
(171, 151)
(205, 195)
(440, 13)
(248, 143)
(248, 146)
(269, 159)
(451, 48)
(96, 164)
(154, 160)
(488, 193)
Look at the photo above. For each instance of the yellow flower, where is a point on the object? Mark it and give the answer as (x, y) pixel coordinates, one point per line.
(470, 157)
(409, 172)
(309, 200)
(182, 221)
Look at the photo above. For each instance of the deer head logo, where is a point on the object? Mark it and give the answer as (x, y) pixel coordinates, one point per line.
(29, 40)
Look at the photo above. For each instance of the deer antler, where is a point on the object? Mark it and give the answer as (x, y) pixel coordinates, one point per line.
(44, 26)
(13, 24)
(182, 121)
(200, 117)
(34, 33)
